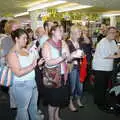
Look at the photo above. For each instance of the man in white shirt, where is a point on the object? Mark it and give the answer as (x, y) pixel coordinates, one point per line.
(102, 65)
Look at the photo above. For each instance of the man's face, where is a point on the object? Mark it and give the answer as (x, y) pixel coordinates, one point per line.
(112, 34)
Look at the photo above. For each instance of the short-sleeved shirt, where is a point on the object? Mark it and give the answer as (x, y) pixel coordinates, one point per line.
(6, 44)
(104, 49)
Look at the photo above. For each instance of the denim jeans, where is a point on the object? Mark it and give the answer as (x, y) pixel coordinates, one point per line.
(75, 85)
(12, 98)
(26, 94)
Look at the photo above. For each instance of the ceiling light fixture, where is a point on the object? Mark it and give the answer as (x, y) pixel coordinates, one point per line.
(35, 3)
(45, 5)
(110, 15)
(73, 8)
(21, 14)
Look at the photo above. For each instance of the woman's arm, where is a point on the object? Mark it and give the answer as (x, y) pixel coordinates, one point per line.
(14, 64)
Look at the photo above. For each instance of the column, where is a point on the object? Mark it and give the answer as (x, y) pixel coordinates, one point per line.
(35, 19)
(113, 21)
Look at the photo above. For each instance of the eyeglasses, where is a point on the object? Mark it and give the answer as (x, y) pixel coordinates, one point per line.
(112, 32)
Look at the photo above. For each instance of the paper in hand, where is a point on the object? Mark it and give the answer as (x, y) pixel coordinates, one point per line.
(77, 54)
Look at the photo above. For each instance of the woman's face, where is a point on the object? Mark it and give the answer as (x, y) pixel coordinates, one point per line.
(76, 33)
(57, 33)
(30, 35)
(62, 30)
(22, 40)
(85, 32)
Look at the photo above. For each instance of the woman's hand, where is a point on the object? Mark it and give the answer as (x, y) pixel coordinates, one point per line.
(41, 61)
(77, 54)
(64, 56)
(34, 63)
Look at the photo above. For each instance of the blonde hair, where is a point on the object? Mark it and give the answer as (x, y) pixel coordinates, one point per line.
(73, 28)
(9, 24)
(84, 28)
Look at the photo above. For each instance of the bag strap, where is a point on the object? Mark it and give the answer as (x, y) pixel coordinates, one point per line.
(58, 46)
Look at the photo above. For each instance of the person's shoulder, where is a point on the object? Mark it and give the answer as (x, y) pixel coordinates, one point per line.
(63, 42)
(12, 53)
(46, 44)
(44, 37)
(103, 40)
(7, 37)
(3, 36)
(69, 42)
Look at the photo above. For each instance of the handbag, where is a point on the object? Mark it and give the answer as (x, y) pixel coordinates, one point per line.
(6, 76)
(83, 69)
(51, 77)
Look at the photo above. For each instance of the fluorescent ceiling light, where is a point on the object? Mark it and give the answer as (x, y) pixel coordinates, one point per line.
(45, 5)
(73, 8)
(69, 4)
(21, 14)
(35, 3)
(110, 15)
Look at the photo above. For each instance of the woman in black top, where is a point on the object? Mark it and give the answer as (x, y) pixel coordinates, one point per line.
(75, 85)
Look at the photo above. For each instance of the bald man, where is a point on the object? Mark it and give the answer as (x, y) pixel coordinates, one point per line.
(41, 35)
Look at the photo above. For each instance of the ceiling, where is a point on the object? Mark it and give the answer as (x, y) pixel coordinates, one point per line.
(10, 7)
(109, 4)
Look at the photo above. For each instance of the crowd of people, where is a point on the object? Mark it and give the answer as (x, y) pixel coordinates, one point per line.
(47, 65)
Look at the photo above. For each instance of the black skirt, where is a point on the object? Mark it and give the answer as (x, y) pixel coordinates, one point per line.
(57, 96)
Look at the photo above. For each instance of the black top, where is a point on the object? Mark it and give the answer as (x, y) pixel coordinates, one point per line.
(72, 49)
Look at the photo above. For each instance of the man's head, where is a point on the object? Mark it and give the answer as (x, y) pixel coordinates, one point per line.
(111, 33)
(40, 32)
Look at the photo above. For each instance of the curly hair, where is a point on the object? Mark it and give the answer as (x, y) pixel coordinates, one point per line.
(9, 24)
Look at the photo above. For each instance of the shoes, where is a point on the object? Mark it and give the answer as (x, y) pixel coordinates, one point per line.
(73, 109)
(76, 110)
(81, 106)
(106, 108)
(41, 114)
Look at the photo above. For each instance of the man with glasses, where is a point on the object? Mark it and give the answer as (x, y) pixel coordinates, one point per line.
(102, 65)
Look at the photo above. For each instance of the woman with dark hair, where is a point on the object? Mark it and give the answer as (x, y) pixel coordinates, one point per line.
(30, 34)
(24, 89)
(56, 54)
(54, 96)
